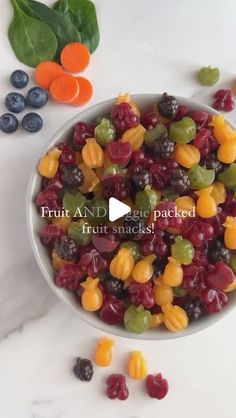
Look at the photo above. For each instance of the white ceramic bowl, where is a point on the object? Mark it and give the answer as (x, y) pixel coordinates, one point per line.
(34, 223)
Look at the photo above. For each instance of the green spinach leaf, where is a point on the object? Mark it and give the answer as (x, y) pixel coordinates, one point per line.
(33, 41)
(83, 14)
(64, 29)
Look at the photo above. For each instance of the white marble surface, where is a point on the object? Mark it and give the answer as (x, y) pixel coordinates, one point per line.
(149, 46)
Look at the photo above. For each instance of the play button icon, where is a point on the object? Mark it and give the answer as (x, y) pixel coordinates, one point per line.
(117, 209)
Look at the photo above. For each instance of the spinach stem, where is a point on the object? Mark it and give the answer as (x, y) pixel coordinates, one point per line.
(17, 8)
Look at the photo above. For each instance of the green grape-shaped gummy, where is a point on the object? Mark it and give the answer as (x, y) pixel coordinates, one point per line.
(135, 249)
(112, 169)
(151, 135)
(228, 177)
(169, 195)
(98, 211)
(208, 76)
(74, 203)
(183, 131)
(233, 262)
(105, 132)
(200, 177)
(137, 319)
(179, 292)
(182, 250)
(147, 199)
(80, 232)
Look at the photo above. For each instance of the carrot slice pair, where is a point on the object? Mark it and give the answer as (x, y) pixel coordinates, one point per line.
(46, 72)
(73, 90)
(85, 92)
(75, 57)
(64, 89)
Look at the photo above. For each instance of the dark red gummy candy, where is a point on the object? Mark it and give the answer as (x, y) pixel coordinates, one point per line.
(115, 186)
(112, 311)
(161, 172)
(117, 387)
(91, 261)
(69, 277)
(157, 387)
(119, 152)
(82, 132)
(200, 118)
(220, 277)
(141, 294)
(124, 117)
(150, 118)
(49, 234)
(194, 278)
(205, 142)
(140, 160)
(154, 243)
(213, 300)
(105, 243)
(67, 154)
(48, 199)
(223, 100)
(182, 111)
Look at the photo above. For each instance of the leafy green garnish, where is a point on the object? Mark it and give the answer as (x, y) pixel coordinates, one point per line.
(65, 31)
(83, 15)
(38, 33)
(32, 40)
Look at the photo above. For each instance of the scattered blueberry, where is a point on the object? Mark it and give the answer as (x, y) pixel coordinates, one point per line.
(32, 122)
(19, 79)
(8, 123)
(37, 97)
(15, 102)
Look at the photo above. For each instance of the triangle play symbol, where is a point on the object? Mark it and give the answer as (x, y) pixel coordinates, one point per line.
(117, 209)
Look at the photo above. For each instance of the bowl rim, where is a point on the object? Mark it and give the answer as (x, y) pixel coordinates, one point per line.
(86, 316)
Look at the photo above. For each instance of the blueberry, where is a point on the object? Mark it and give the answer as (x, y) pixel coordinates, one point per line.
(32, 122)
(37, 97)
(19, 79)
(15, 102)
(8, 123)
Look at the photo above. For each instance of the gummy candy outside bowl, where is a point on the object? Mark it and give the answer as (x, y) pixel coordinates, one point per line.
(34, 222)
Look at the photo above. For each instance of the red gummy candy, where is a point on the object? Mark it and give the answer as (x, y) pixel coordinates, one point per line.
(221, 277)
(115, 186)
(48, 199)
(182, 111)
(140, 160)
(194, 278)
(82, 132)
(105, 243)
(141, 294)
(123, 116)
(117, 387)
(223, 100)
(69, 277)
(112, 311)
(150, 118)
(119, 152)
(200, 118)
(67, 154)
(213, 300)
(157, 387)
(205, 142)
(91, 261)
(49, 234)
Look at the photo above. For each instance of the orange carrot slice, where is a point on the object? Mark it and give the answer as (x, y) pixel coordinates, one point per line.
(46, 72)
(75, 57)
(85, 92)
(64, 89)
